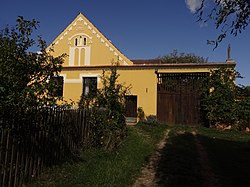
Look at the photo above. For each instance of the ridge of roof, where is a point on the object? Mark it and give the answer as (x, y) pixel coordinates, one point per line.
(158, 61)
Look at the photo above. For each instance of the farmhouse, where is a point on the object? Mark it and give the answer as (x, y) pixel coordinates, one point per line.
(168, 91)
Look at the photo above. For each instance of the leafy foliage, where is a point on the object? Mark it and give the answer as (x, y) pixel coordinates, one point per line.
(107, 107)
(243, 101)
(229, 16)
(140, 114)
(177, 58)
(24, 75)
(25, 89)
(152, 119)
(226, 103)
(220, 102)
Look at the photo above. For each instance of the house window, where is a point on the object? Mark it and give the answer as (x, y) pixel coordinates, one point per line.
(57, 88)
(89, 85)
(80, 41)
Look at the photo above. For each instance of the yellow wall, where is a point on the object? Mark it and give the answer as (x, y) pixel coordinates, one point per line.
(143, 84)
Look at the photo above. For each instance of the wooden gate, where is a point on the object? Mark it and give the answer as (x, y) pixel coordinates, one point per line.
(179, 98)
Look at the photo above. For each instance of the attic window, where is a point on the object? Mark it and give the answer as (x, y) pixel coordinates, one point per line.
(80, 41)
(76, 42)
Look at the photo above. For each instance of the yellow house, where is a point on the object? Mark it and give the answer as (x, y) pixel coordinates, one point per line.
(164, 90)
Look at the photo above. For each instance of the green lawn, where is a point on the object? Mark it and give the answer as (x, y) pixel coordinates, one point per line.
(101, 168)
(228, 156)
(229, 153)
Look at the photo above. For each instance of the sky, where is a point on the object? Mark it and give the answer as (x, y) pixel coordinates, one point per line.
(140, 29)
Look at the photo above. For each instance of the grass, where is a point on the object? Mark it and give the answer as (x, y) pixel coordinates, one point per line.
(178, 165)
(228, 154)
(100, 168)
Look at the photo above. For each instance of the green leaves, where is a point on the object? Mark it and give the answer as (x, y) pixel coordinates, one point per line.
(23, 74)
(107, 107)
(219, 103)
(178, 58)
(226, 103)
(229, 16)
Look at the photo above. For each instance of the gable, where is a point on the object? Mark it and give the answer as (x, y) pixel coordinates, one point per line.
(85, 45)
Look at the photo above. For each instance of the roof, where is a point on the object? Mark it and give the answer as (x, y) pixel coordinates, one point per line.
(147, 61)
(158, 61)
(155, 66)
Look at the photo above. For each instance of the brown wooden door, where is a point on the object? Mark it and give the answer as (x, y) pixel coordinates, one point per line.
(179, 98)
(131, 106)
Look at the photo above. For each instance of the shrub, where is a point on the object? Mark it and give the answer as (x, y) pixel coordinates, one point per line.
(152, 119)
(243, 107)
(226, 104)
(140, 114)
(107, 107)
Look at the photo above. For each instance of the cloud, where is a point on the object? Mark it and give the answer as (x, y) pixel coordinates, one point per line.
(193, 5)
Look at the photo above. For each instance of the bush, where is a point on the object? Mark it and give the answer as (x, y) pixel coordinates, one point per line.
(140, 114)
(226, 104)
(107, 107)
(152, 119)
(243, 107)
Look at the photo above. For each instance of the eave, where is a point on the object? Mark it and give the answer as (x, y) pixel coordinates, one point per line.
(153, 66)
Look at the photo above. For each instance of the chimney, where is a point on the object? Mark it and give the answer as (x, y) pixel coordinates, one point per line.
(229, 59)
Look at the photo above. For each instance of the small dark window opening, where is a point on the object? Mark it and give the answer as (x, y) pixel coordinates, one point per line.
(85, 41)
(89, 85)
(76, 42)
(57, 86)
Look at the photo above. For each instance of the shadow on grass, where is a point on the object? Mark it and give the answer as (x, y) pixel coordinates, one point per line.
(180, 166)
(230, 160)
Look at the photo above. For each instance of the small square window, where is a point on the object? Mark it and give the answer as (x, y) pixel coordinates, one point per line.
(89, 85)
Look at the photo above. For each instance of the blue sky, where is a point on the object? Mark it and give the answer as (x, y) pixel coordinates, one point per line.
(141, 29)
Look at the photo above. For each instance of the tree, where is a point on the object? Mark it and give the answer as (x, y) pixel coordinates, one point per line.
(226, 104)
(24, 75)
(219, 104)
(231, 16)
(177, 58)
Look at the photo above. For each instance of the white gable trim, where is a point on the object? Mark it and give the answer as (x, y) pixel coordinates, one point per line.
(96, 32)
(79, 35)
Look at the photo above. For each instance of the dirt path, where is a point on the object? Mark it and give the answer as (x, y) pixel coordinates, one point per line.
(148, 172)
(148, 178)
(207, 172)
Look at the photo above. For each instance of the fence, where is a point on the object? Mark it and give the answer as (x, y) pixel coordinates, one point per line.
(30, 141)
